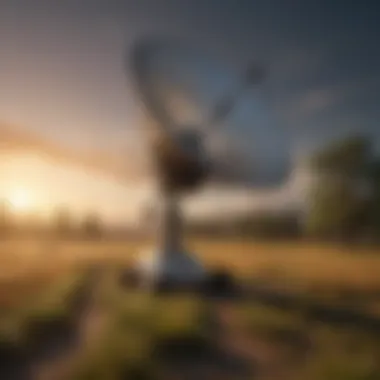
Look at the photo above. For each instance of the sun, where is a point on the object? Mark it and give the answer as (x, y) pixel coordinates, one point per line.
(21, 200)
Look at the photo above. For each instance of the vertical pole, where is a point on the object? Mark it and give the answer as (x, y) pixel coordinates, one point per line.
(170, 228)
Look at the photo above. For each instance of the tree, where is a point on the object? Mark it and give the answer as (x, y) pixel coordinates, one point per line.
(374, 204)
(339, 207)
(266, 225)
(5, 218)
(92, 226)
(347, 157)
(63, 222)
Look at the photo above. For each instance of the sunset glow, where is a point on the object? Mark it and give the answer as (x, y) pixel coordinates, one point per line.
(21, 200)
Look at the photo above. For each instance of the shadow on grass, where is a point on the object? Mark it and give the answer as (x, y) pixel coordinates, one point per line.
(314, 310)
(195, 355)
(13, 361)
(44, 335)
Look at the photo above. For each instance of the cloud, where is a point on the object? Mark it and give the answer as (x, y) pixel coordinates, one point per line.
(312, 102)
(16, 140)
(293, 63)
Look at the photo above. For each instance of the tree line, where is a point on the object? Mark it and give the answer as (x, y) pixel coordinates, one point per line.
(61, 224)
(342, 203)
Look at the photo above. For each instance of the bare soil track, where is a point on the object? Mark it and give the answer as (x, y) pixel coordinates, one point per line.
(226, 352)
(52, 343)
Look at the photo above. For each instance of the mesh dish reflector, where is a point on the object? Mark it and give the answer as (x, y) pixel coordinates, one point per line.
(181, 86)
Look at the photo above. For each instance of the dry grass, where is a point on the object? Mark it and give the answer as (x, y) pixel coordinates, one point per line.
(28, 266)
(298, 261)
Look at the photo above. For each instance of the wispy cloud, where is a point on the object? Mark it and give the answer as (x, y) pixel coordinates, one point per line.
(289, 64)
(304, 105)
(312, 102)
(15, 140)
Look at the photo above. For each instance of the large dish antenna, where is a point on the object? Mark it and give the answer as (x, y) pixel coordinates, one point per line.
(189, 98)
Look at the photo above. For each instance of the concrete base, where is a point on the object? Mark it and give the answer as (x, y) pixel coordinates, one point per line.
(177, 269)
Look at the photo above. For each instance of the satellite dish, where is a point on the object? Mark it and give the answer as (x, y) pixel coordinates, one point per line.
(190, 98)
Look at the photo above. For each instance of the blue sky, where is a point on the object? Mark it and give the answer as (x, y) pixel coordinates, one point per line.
(62, 71)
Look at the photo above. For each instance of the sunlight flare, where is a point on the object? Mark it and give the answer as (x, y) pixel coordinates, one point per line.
(21, 200)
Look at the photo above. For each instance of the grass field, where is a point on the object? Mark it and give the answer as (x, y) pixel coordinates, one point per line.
(299, 265)
(36, 278)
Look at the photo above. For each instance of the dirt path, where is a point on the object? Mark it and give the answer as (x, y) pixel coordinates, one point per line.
(230, 353)
(264, 358)
(60, 367)
(61, 351)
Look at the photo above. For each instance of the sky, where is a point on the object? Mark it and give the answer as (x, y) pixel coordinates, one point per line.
(62, 73)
